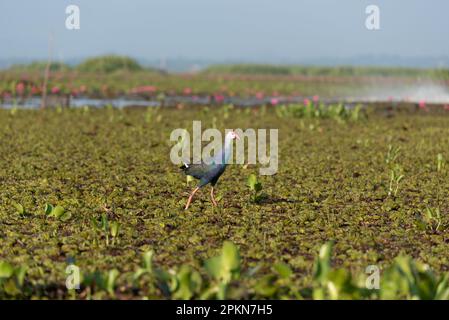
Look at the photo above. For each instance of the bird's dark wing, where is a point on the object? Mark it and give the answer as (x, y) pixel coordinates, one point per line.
(199, 170)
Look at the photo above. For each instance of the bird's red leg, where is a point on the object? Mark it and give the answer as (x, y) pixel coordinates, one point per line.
(191, 196)
(212, 196)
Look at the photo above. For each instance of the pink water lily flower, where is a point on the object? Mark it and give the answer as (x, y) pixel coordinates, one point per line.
(55, 90)
(219, 98)
(306, 102)
(422, 104)
(274, 101)
(35, 90)
(20, 88)
(315, 98)
(143, 89)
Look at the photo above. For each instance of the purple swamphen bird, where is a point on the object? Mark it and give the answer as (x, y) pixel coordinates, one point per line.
(209, 171)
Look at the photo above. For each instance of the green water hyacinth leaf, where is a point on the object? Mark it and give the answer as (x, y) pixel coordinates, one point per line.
(230, 258)
(430, 218)
(266, 286)
(48, 209)
(189, 179)
(165, 281)
(223, 269)
(226, 266)
(322, 262)
(440, 162)
(102, 280)
(188, 283)
(66, 216)
(147, 267)
(409, 279)
(111, 280)
(213, 267)
(442, 292)
(20, 209)
(252, 181)
(256, 186)
(115, 227)
(283, 270)
(148, 260)
(104, 222)
(339, 284)
(6, 270)
(20, 273)
(11, 288)
(57, 212)
(11, 279)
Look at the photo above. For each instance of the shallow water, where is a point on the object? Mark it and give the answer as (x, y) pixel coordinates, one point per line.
(122, 102)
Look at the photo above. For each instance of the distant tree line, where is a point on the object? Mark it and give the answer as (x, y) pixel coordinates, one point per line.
(102, 64)
(297, 70)
(113, 63)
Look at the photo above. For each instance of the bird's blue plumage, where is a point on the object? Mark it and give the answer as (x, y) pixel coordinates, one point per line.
(210, 171)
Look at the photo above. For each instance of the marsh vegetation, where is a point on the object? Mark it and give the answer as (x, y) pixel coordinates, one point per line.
(95, 187)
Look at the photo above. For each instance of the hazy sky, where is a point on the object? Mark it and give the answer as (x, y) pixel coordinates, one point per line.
(224, 29)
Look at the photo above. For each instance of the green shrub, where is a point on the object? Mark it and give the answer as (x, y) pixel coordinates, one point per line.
(108, 64)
